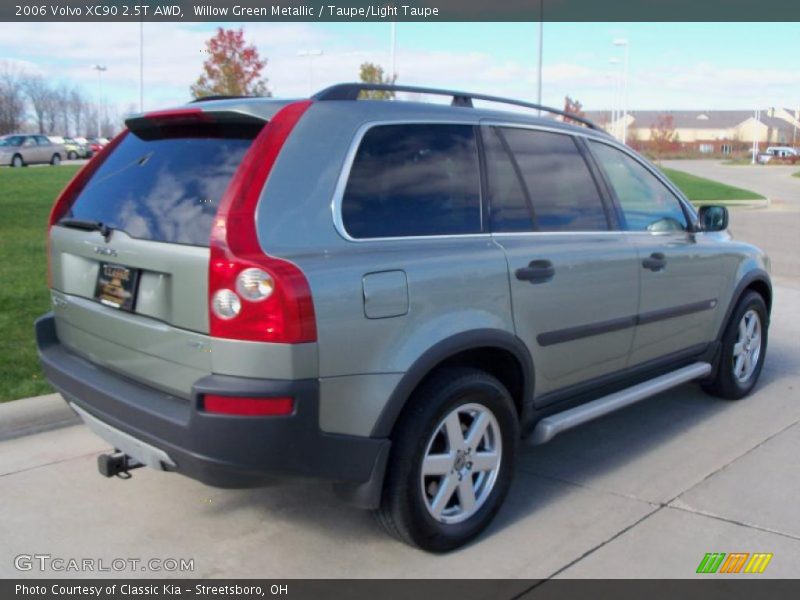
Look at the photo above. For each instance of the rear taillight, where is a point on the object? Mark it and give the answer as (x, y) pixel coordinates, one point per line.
(242, 405)
(74, 187)
(253, 296)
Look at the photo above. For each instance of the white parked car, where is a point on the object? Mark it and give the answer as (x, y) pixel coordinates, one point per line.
(24, 149)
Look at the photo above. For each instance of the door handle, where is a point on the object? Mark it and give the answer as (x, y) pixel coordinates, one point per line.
(537, 271)
(655, 262)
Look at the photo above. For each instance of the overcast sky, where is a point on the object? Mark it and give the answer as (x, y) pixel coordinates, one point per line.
(672, 65)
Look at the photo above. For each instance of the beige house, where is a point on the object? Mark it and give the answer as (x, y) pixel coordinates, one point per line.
(715, 131)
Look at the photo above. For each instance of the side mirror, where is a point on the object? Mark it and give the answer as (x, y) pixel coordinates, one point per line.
(713, 218)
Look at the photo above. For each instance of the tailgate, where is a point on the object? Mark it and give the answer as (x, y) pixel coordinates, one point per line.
(155, 194)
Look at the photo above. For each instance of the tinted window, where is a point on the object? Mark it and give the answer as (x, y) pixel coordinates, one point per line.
(508, 199)
(648, 205)
(557, 179)
(165, 189)
(409, 180)
(42, 141)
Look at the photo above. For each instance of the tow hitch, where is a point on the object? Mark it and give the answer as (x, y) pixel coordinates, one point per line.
(118, 463)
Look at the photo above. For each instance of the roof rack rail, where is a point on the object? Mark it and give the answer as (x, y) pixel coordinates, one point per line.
(351, 91)
(218, 97)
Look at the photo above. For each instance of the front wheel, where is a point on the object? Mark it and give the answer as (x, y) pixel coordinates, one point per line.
(452, 460)
(17, 161)
(744, 346)
(56, 160)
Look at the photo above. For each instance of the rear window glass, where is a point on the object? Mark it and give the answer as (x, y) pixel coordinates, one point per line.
(414, 180)
(165, 189)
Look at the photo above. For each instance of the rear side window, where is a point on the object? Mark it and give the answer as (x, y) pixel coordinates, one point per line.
(165, 188)
(557, 180)
(511, 206)
(414, 180)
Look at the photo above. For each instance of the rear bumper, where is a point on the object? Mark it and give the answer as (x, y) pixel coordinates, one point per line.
(219, 450)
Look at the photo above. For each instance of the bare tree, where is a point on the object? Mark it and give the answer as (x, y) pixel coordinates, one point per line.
(52, 110)
(12, 98)
(77, 109)
(38, 93)
(62, 94)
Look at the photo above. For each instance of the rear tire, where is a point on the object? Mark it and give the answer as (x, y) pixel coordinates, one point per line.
(452, 460)
(744, 347)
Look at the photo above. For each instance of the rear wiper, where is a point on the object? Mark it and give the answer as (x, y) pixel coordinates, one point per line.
(86, 225)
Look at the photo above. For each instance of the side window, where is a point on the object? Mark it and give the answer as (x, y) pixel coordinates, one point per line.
(42, 140)
(511, 208)
(414, 180)
(557, 180)
(648, 205)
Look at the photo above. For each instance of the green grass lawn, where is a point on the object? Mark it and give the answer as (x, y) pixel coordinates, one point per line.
(26, 196)
(703, 191)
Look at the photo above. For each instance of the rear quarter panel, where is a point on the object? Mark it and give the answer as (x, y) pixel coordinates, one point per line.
(454, 284)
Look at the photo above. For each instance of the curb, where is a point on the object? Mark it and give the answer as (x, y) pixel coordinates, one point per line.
(34, 415)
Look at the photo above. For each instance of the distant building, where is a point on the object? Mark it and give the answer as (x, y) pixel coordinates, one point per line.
(709, 132)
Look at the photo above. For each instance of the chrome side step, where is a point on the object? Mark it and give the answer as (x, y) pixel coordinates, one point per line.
(551, 426)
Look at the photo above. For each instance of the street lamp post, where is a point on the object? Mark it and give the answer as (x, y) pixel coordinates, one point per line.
(141, 66)
(310, 55)
(624, 43)
(100, 70)
(615, 86)
(757, 115)
(393, 52)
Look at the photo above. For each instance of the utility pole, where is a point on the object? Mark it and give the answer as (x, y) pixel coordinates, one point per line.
(541, 52)
(141, 66)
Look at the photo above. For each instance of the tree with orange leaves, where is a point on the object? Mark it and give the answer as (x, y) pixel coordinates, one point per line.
(233, 67)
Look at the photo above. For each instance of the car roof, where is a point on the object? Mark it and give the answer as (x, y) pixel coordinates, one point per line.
(345, 97)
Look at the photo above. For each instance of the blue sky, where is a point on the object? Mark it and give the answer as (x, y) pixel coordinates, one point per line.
(672, 65)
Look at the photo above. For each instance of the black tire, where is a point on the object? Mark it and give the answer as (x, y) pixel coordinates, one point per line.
(56, 160)
(17, 161)
(404, 512)
(725, 384)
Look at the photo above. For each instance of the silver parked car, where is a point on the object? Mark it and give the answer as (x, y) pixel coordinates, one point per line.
(388, 296)
(18, 150)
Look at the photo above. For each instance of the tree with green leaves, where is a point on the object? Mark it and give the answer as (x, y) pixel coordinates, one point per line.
(233, 67)
(372, 73)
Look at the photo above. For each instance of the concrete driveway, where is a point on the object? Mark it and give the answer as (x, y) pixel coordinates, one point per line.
(645, 492)
(775, 228)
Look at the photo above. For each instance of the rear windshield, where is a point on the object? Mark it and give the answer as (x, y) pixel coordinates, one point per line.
(165, 188)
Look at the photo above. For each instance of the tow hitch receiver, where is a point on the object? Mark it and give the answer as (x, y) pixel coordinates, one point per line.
(118, 463)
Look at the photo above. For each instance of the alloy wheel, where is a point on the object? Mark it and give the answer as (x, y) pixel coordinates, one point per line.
(461, 463)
